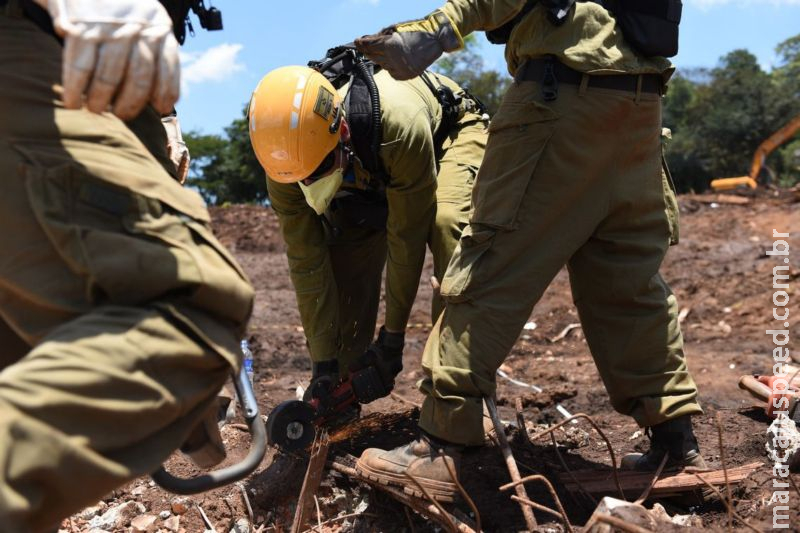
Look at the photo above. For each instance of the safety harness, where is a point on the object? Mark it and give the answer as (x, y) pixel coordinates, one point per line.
(345, 64)
(650, 26)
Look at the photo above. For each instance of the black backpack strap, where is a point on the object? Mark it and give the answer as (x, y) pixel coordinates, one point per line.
(345, 64)
(451, 109)
(501, 34)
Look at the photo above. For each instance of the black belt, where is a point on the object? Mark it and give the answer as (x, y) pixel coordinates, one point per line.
(536, 70)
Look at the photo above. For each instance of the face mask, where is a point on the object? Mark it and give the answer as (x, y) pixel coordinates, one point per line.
(320, 193)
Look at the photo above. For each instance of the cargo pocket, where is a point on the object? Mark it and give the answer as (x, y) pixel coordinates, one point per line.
(132, 250)
(518, 136)
(670, 202)
(464, 272)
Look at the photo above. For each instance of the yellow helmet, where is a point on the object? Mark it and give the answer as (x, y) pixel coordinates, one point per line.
(294, 118)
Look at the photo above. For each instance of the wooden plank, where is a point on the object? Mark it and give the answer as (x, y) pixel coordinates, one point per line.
(635, 482)
(316, 466)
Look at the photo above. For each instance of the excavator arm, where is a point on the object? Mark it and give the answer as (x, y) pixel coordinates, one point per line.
(759, 158)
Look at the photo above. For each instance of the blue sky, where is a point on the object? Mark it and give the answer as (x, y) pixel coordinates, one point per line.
(220, 69)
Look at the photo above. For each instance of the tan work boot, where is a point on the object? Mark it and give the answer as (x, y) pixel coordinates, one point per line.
(674, 438)
(423, 459)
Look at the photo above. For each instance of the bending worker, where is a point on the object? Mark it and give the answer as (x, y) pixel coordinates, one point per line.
(573, 175)
(120, 313)
(359, 183)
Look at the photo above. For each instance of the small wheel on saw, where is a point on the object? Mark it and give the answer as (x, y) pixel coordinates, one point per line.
(290, 426)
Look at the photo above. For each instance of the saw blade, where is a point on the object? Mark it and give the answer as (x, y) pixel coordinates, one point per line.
(290, 426)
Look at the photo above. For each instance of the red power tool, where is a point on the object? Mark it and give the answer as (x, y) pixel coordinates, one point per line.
(776, 398)
(292, 424)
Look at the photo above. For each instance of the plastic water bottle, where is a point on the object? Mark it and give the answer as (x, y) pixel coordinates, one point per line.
(248, 360)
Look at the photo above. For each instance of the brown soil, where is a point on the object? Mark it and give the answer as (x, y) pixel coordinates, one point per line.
(720, 274)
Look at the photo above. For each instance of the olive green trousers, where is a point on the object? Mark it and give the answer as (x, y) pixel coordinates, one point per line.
(120, 313)
(358, 254)
(578, 181)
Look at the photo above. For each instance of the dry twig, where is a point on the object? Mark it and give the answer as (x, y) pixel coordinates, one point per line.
(416, 504)
(537, 506)
(246, 499)
(652, 484)
(725, 472)
(319, 513)
(620, 524)
(538, 477)
(511, 464)
(318, 527)
(205, 518)
(565, 332)
(436, 504)
(725, 502)
(569, 472)
(311, 481)
(465, 495)
(602, 435)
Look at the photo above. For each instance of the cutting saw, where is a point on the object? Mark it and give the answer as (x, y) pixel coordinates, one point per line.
(292, 424)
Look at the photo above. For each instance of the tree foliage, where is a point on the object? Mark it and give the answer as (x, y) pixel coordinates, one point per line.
(719, 120)
(224, 168)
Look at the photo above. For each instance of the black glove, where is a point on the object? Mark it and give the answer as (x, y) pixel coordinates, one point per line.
(373, 373)
(324, 377)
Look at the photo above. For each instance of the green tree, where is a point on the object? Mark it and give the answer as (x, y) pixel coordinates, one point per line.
(787, 76)
(787, 73)
(684, 161)
(739, 108)
(466, 67)
(224, 168)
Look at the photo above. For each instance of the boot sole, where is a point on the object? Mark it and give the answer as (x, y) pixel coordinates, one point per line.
(441, 491)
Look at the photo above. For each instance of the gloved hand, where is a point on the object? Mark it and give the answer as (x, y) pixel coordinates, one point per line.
(408, 48)
(176, 148)
(324, 377)
(382, 361)
(122, 51)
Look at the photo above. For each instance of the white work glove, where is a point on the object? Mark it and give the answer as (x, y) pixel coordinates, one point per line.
(120, 50)
(176, 148)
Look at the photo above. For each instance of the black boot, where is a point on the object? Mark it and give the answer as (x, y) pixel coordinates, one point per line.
(674, 438)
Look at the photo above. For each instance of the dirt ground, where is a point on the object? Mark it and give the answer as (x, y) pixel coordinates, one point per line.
(723, 281)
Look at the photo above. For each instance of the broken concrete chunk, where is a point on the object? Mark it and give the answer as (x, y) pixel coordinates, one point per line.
(180, 505)
(241, 526)
(90, 512)
(172, 523)
(783, 442)
(656, 519)
(143, 524)
(117, 517)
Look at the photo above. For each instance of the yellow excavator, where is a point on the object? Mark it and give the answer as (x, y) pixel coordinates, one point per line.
(764, 149)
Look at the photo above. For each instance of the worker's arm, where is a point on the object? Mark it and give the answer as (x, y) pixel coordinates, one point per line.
(310, 269)
(405, 50)
(410, 161)
(481, 15)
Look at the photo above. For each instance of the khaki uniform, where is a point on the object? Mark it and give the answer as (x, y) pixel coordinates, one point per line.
(579, 181)
(120, 313)
(337, 277)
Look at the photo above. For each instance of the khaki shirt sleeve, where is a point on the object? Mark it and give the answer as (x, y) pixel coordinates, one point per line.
(410, 161)
(481, 15)
(310, 269)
